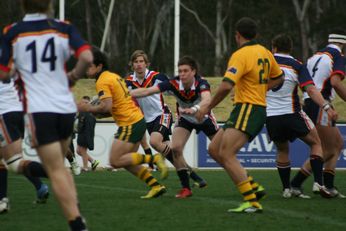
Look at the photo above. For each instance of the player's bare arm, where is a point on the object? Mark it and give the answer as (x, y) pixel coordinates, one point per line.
(276, 82)
(85, 59)
(142, 92)
(316, 96)
(105, 106)
(340, 89)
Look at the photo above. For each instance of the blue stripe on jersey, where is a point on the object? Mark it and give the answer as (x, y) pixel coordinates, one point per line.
(338, 66)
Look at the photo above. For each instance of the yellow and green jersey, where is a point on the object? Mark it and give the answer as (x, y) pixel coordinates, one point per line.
(124, 110)
(249, 69)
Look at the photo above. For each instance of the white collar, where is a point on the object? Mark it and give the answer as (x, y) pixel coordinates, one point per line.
(145, 75)
(181, 87)
(283, 55)
(334, 46)
(35, 17)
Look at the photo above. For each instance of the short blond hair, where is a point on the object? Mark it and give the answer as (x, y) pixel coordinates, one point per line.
(136, 54)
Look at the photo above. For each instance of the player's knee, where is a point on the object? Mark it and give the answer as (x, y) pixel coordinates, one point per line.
(114, 162)
(177, 150)
(14, 163)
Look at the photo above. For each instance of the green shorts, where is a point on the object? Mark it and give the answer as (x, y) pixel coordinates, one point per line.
(248, 118)
(132, 133)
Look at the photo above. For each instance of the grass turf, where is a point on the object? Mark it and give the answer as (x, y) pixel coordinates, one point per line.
(110, 201)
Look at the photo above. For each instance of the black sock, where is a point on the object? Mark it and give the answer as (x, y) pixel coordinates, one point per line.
(284, 170)
(35, 169)
(184, 178)
(3, 181)
(194, 176)
(328, 177)
(70, 158)
(316, 163)
(77, 224)
(35, 181)
(299, 178)
(149, 152)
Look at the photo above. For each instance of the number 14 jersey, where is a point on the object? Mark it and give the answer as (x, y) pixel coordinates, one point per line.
(39, 48)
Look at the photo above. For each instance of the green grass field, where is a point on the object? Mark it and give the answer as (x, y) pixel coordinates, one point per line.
(110, 201)
(87, 87)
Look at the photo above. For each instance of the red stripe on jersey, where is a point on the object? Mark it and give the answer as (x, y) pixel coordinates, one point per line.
(81, 49)
(288, 67)
(307, 83)
(24, 98)
(149, 79)
(341, 73)
(5, 68)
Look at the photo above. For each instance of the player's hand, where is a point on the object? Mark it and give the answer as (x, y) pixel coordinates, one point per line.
(201, 113)
(188, 111)
(332, 114)
(83, 106)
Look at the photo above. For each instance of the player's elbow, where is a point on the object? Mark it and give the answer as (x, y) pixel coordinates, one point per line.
(86, 57)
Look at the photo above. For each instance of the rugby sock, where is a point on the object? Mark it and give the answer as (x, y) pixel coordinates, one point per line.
(254, 185)
(77, 224)
(148, 151)
(284, 169)
(184, 178)
(328, 177)
(316, 163)
(194, 176)
(246, 190)
(69, 158)
(3, 181)
(299, 178)
(34, 169)
(144, 175)
(141, 159)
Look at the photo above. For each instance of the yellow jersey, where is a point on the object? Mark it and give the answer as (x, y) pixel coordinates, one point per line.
(124, 110)
(249, 69)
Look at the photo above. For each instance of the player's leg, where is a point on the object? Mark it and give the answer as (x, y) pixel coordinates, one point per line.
(4, 202)
(284, 167)
(133, 134)
(124, 148)
(179, 138)
(82, 151)
(332, 143)
(147, 149)
(70, 156)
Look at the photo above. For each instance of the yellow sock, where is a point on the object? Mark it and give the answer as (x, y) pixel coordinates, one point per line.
(254, 184)
(138, 158)
(246, 190)
(144, 175)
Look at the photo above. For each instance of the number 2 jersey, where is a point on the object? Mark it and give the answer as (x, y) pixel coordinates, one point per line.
(249, 69)
(324, 64)
(39, 48)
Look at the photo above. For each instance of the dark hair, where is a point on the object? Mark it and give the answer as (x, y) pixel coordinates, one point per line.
(100, 58)
(337, 30)
(247, 27)
(136, 54)
(188, 60)
(282, 43)
(36, 6)
(86, 97)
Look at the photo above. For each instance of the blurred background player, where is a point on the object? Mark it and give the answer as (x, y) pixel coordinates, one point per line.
(40, 47)
(286, 120)
(85, 138)
(251, 70)
(327, 68)
(115, 98)
(11, 135)
(190, 91)
(156, 113)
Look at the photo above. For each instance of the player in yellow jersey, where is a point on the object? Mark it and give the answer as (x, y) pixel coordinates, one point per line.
(251, 70)
(115, 98)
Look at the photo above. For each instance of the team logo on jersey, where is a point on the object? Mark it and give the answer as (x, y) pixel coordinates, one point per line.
(101, 93)
(232, 70)
(203, 87)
